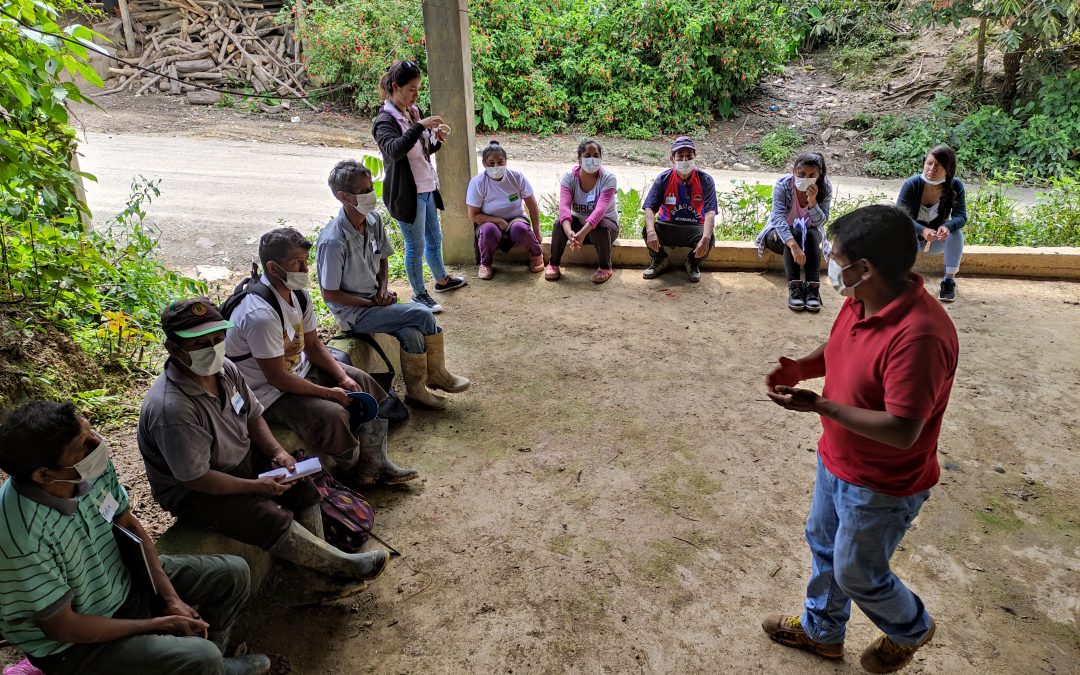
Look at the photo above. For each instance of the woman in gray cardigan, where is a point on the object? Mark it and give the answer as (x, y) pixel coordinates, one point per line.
(800, 207)
(937, 205)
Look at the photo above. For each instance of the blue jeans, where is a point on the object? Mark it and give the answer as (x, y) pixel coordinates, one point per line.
(409, 322)
(423, 239)
(853, 532)
(953, 248)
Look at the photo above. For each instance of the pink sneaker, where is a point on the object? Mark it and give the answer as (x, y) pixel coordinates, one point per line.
(485, 272)
(536, 263)
(601, 275)
(552, 273)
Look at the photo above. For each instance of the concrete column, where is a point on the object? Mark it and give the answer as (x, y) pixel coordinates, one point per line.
(446, 26)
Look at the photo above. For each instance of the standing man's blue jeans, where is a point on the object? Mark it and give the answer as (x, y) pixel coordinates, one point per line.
(852, 532)
(423, 239)
(953, 248)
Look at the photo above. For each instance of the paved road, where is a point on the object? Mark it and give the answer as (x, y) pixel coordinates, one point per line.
(217, 196)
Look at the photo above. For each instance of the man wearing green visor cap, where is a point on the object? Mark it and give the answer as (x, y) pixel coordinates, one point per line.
(204, 443)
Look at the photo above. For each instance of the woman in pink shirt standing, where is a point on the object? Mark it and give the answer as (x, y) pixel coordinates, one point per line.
(588, 213)
(411, 188)
(498, 200)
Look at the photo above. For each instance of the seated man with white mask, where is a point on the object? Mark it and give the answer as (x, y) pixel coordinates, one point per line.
(680, 210)
(276, 346)
(352, 257)
(204, 443)
(68, 597)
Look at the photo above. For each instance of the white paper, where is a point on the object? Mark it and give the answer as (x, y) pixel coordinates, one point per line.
(304, 468)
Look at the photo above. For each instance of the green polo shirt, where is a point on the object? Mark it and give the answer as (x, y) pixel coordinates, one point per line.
(55, 552)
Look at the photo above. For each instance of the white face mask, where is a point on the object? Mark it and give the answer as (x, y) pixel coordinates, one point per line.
(91, 466)
(590, 164)
(684, 166)
(803, 184)
(208, 360)
(930, 181)
(295, 281)
(495, 172)
(836, 278)
(365, 203)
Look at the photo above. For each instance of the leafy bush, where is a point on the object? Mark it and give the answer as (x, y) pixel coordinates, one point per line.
(742, 212)
(898, 145)
(995, 219)
(1040, 140)
(775, 147)
(636, 68)
(847, 22)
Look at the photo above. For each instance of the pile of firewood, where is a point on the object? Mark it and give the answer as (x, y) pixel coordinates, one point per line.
(229, 44)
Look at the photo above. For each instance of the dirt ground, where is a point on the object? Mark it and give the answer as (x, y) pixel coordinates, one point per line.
(613, 494)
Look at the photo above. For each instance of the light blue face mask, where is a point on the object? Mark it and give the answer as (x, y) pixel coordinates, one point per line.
(836, 278)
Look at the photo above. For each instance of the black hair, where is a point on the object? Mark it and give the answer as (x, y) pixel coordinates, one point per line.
(344, 174)
(399, 73)
(814, 159)
(493, 148)
(34, 435)
(276, 244)
(584, 145)
(946, 157)
(880, 234)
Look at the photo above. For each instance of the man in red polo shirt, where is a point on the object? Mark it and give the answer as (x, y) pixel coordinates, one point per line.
(888, 365)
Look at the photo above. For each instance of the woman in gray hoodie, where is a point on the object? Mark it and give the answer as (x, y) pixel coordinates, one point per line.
(800, 208)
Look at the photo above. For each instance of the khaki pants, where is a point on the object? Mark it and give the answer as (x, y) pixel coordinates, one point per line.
(322, 425)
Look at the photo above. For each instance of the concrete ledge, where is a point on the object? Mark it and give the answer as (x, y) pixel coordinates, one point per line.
(1004, 261)
(184, 540)
(364, 357)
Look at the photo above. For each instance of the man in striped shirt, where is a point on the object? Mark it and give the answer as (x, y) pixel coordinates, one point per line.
(67, 598)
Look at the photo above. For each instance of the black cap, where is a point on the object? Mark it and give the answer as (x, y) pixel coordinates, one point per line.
(192, 318)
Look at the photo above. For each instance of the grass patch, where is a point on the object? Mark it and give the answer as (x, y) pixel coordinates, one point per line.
(1000, 517)
(776, 147)
(561, 543)
(678, 487)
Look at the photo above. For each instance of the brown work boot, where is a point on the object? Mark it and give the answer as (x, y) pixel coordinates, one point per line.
(788, 631)
(885, 656)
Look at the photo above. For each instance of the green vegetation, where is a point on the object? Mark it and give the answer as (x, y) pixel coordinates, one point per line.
(1033, 37)
(1038, 141)
(997, 220)
(104, 289)
(633, 68)
(775, 148)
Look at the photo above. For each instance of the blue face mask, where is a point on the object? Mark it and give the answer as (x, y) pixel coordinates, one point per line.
(836, 278)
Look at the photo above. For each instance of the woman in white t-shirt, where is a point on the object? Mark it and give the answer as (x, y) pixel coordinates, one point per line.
(497, 201)
(588, 212)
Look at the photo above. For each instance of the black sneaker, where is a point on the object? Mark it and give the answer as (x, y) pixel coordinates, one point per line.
(948, 290)
(693, 270)
(426, 300)
(654, 270)
(813, 296)
(796, 296)
(454, 282)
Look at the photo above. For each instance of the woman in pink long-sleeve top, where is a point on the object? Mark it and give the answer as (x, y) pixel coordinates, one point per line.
(588, 213)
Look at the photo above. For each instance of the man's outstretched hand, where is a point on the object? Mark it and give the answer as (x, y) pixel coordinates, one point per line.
(799, 400)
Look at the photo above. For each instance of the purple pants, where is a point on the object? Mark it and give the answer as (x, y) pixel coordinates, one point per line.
(491, 238)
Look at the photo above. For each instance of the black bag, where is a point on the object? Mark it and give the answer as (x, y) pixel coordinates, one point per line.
(391, 409)
(254, 286)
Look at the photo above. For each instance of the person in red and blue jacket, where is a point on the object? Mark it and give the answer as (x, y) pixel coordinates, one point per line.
(680, 210)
